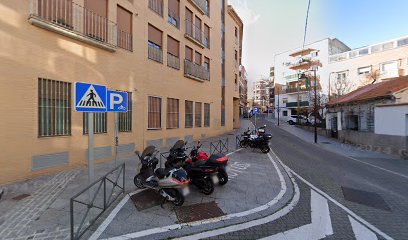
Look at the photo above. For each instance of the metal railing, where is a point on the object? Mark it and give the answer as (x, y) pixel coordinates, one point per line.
(173, 19)
(202, 5)
(72, 17)
(195, 32)
(155, 54)
(156, 6)
(89, 204)
(194, 70)
(220, 146)
(173, 61)
(125, 40)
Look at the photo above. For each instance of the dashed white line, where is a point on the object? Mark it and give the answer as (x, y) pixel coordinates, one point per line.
(361, 232)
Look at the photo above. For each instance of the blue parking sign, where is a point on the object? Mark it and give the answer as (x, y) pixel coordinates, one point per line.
(90, 97)
(117, 101)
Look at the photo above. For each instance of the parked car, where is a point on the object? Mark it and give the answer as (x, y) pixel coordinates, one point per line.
(293, 119)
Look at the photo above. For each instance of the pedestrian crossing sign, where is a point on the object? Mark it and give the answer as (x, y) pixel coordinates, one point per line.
(90, 97)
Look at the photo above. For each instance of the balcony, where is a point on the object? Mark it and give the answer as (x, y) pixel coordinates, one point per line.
(125, 40)
(195, 34)
(173, 61)
(173, 19)
(74, 21)
(201, 6)
(295, 90)
(295, 104)
(155, 53)
(195, 71)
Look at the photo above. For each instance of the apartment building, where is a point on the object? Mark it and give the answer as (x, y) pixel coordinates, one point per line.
(286, 74)
(243, 89)
(260, 92)
(366, 65)
(178, 60)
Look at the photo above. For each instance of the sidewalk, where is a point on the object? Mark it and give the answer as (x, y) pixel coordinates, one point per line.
(40, 208)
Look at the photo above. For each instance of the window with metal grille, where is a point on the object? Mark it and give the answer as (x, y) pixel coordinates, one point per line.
(100, 123)
(154, 113)
(125, 119)
(207, 114)
(54, 108)
(189, 114)
(172, 113)
(198, 116)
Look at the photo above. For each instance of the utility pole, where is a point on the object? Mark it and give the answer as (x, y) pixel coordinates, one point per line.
(315, 106)
(278, 105)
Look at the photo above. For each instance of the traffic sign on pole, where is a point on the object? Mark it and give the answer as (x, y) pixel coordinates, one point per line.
(117, 101)
(90, 97)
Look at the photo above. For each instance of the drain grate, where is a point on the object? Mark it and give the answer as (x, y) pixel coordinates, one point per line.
(146, 199)
(198, 212)
(366, 198)
(21, 197)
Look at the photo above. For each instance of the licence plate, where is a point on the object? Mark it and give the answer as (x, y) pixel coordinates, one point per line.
(185, 191)
(215, 179)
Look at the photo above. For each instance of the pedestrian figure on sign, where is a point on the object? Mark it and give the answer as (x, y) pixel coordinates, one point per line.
(91, 101)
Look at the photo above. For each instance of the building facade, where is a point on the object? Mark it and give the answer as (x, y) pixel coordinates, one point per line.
(243, 89)
(294, 90)
(260, 93)
(178, 60)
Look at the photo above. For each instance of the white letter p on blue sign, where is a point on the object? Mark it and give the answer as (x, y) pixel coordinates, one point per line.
(117, 101)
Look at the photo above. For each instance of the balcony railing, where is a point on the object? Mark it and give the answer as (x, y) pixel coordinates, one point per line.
(195, 34)
(195, 71)
(295, 90)
(75, 21)
(295, 104)
(156, 6)
(173, 19)
(201, 5)
(125, 40)
(155, 54)
(173, 61)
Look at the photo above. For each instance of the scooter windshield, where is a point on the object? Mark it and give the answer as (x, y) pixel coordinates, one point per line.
(179, 144)
(148, 151)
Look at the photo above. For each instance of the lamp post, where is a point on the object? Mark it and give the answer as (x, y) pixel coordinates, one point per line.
(315, 106)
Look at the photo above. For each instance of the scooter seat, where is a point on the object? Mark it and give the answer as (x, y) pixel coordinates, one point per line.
(162, 172)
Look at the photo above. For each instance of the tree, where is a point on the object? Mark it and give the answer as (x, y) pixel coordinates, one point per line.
(341, 85)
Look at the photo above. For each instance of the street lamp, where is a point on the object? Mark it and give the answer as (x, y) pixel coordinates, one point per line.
(302, 77)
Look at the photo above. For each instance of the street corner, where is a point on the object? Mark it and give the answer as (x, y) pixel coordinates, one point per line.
(256, 183)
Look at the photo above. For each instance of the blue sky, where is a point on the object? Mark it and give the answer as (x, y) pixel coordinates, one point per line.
(274, 26)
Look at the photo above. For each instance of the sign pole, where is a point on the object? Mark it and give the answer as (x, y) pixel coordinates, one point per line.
(91, 167)
(116, 137)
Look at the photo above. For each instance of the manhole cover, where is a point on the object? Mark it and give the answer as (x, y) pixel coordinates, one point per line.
(198, 212)
(325, 143)
(21, 197)
(366, 198)
(146, 199)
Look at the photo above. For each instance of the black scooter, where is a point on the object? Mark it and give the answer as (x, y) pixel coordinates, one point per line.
(201, 175)
(256, 139)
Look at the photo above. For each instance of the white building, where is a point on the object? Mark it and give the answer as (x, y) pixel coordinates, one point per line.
(260, 92)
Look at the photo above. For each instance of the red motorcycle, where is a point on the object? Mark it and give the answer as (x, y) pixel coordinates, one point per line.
(220, 161)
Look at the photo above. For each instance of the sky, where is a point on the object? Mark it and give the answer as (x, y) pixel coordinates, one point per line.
(275, 26)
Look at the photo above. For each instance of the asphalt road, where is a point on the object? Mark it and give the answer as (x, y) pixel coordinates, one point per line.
(330, 172)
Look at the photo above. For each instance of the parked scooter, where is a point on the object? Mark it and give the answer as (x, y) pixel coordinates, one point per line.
(202, 176)
(256, 139)
(171, 183)
(220, 161)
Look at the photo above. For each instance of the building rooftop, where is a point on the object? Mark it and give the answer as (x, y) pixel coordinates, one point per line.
(383, 89)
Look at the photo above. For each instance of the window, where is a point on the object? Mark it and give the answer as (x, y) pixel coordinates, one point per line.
(155, 44)
(96, 15)
(285, 113)
(285, 100)
(206, 35)
(189, 54)
(124, 21)
(54, 108)
(388, 46)
(61, 16)
(341, 76)
(363, 52)
(189, 114)
(236, 32)
(172, 113)
(315, 54)
(125, 119)
(100, 123)
(207, 63)
(156, 6)
(207, 114)
(364, 70)
(402, 42)
(389, 69)
(198, 57)
(174, 13)
(189, 22)
(173, 52)
(154, 113)
(198, 116)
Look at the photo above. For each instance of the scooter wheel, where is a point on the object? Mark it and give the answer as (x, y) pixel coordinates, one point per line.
(137, 180)
(222, 177)
(265, 149)
(178, 199)
(243, 144)
(208, 186)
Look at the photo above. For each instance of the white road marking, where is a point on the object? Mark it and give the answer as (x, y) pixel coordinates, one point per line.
(320, 226)
(361, 232)
(282, 212)
(348, 211)
(218, 219)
